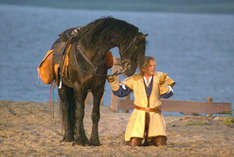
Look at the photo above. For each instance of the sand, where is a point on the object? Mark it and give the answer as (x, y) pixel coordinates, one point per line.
(29, 129)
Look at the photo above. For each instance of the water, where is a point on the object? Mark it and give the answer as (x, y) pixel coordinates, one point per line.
(197, 50)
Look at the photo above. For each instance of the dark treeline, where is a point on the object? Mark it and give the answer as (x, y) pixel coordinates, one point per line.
(187, 6)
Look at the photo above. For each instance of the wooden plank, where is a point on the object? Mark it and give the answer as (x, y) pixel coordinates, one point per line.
(195, 107)
(184, 106)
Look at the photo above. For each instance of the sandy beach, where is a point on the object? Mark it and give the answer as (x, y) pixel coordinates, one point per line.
(29, 129)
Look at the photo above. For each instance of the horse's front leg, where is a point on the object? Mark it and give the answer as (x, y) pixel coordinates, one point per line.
(97, 95)
(80, 136)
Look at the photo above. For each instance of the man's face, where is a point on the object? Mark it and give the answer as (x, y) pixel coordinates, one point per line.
(151, 68)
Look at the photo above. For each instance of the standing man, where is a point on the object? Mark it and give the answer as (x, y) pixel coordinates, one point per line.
(146, 122)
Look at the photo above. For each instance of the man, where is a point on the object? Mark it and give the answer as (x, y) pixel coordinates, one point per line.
(146, 122)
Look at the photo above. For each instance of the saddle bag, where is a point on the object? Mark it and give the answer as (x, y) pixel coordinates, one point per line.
(45, 69)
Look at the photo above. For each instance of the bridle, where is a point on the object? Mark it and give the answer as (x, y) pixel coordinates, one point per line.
(122, 63)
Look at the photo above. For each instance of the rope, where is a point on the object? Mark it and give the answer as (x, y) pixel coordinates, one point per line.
(52, 99)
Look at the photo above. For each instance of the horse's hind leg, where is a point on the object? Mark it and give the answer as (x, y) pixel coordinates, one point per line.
(80, 136)
(67, 108)
(97, 95)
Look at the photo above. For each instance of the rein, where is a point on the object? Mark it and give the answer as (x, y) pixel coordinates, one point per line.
(87, 59)
(94, 68)
(133, 41)
(122, 71)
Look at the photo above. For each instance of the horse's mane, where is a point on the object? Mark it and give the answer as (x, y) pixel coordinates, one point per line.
(102, 29)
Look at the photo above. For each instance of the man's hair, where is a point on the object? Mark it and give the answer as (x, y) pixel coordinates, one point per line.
(145, 64)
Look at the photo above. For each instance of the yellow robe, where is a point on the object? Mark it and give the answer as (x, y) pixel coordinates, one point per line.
(136, 124)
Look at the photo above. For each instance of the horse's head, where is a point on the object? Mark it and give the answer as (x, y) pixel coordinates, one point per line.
(132, 55)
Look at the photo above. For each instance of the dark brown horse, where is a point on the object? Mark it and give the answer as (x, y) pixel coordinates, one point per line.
(87, 69)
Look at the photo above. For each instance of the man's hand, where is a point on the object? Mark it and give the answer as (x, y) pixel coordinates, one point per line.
(110, 78)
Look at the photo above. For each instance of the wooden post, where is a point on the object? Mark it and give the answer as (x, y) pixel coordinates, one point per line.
(114, 106)
(89, 99)
(126, 99)
(209, 100)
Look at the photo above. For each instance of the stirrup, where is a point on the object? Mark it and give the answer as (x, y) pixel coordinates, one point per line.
(60, 84)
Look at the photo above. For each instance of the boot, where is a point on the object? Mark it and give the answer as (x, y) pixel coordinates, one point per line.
(160, 141)
(135, 142)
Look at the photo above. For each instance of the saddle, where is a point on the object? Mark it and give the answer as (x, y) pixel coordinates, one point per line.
(57, 58)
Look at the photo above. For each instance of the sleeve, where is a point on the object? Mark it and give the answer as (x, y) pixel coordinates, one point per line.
(165, 84)
(170, 82)
(122, 91)
(125, 87)
(131, 81)
(128, 82)
(168, 94)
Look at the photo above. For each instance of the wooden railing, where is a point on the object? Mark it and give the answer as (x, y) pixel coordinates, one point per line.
(188, 107)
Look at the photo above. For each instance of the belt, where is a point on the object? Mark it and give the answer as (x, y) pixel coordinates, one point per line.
(156, 109)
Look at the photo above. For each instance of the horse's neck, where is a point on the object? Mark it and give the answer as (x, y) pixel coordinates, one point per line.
(99, 50)
(118, 39)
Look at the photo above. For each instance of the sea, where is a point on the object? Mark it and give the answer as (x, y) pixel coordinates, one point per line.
(196, 50)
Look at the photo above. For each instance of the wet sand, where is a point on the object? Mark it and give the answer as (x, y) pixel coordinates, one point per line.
(29, 129)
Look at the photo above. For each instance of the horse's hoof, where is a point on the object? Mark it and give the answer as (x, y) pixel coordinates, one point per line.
(79, 142)
(94, 143)
(73, 143)
(67, 139)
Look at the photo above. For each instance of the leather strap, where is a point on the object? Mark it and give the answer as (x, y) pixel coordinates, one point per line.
(156, 109)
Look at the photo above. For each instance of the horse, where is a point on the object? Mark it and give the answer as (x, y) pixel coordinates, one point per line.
(86, 70)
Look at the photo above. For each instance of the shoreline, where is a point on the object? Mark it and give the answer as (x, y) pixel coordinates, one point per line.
(28, 129)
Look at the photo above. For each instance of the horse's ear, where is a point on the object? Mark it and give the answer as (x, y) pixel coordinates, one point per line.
(142, 36)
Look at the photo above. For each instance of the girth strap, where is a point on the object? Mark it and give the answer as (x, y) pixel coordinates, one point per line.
(66, 60)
